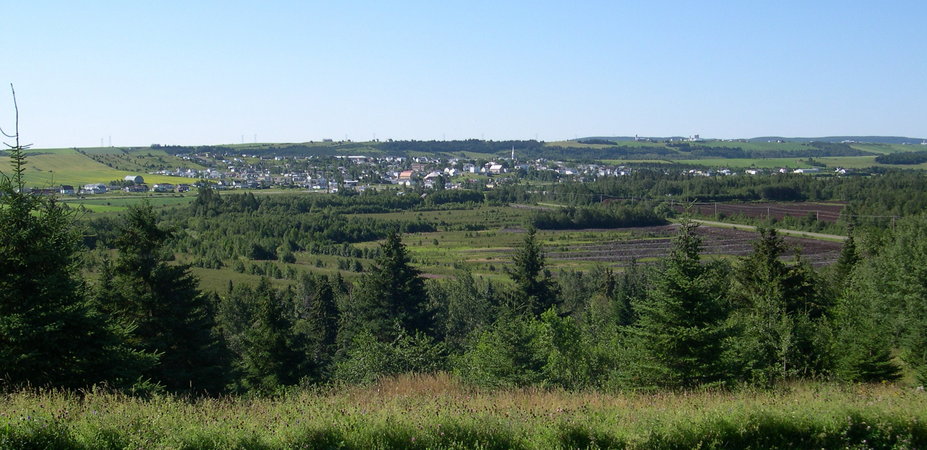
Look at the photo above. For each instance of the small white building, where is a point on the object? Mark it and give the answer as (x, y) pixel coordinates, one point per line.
(94, 188)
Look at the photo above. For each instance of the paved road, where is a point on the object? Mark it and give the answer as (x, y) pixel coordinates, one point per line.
(795, 233)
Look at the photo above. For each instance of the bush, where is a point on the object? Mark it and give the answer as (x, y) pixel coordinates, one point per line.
(368, 359)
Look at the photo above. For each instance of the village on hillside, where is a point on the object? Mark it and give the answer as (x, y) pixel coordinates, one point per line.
(334, 174)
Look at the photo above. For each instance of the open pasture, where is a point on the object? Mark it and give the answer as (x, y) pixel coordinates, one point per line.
(141, 160)
(119, 202)
(747, 163)
(54, 167)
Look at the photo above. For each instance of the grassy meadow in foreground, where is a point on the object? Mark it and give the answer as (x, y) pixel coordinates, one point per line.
(416, 411)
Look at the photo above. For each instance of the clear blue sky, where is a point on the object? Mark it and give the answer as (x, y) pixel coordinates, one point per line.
(208, 72)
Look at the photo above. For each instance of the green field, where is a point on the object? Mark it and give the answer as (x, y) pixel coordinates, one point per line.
(743, 163)
(888, 148)
(118, 202)
(54, 167)
(436, 411)
(142, 160)
(832, 162)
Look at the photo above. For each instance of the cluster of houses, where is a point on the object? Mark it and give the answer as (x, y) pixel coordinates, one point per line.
(132, 183)
(358, 172)
(331, 174)
(783, 170)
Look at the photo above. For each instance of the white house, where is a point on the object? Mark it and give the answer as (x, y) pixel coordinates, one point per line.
(94, 188)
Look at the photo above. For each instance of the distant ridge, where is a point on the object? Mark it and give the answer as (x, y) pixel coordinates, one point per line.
(860, 139)
(835, 139)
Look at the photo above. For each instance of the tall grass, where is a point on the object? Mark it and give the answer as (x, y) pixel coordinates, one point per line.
(437, 412)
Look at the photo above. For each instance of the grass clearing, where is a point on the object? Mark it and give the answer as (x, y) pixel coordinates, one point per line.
(217, 280)
(436, 411)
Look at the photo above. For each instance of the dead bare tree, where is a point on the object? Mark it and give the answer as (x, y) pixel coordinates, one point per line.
(16, 149)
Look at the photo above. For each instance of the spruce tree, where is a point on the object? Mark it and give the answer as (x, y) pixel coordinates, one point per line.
(317, 324)
(894, 281)
(862, 347)
(390, 297)
(779, 314)
(682, 326)
(163, 302)
(268, 356)
(862, 344)
(50, 334)
(535, 290)
(848, 259)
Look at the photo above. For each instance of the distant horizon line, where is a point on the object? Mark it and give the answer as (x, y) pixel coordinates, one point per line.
(862, 139)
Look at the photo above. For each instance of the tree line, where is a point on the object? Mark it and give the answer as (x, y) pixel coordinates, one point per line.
(910, 158)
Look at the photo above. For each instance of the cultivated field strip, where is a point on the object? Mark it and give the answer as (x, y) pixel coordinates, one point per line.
(715, 242)
(825, 212)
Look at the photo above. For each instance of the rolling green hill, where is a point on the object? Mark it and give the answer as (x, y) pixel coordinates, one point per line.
(53, 167)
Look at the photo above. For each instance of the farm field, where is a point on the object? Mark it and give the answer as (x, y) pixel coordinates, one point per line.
(862, 162)
(460, 244)
(483, 239)
(54, 167)
(109, 203)
(650, 244)
(744, 163)
(140, 160)
(887, 148)
(115, 202)
(832, 162)
(488, 217)
(486, 253)
(436, 411)
(825, 212)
